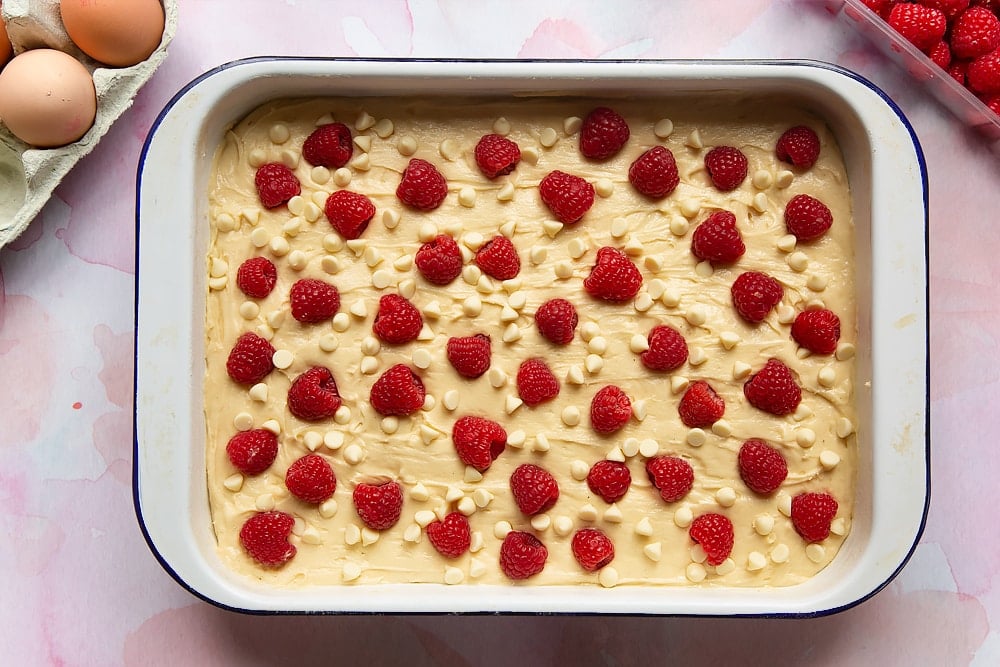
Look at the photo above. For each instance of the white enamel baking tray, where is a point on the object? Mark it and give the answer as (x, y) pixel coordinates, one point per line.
(889, 185)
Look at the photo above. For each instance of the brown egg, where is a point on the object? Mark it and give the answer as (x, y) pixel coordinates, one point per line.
(47, 98)
(5, 48)
(118, 33)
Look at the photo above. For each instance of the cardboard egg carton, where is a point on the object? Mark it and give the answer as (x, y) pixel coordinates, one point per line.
(29, 175)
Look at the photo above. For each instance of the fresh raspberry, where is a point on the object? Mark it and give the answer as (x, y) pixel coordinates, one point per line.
(940, 54)
(773, 389)
(398, 392)
(714, 532)
(439, 260)
(880, 7)
(610, 409)
(265, 537)
(250, 359)
(667, 349)
(452, 537)
(535, 382)
(921, 26)
(556, 320)
(983, 74)
(378, 504)
(727, 167)
(761, 466)
(812, 514)
(717, 239)
(313, 396)
(957, 70)
(313, 300)
(522, 555)
(817, 330)
(654, 173)
(700, 406)
(311, 479)
(950, 8)
(349, 213)
(329, 145)
(993, 102)
(469, 355)
(276, 184)
(592, 548)
(567, 196)
(807, 218)
(613, 276)
(252, 452)
(755, 294)
(256, 277)
(609, 479)
(397, 321)
(798, 146)
(671, 475)
(496, 155)
(478, 441)
(422, 185)
(535, 489)
(603, 133)
(498, 258)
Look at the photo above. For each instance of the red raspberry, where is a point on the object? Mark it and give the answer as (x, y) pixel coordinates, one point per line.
(567, 196)
(422, 185)
(592, 549)
(922, 26)
(398, 392)
(993, 102)
(727, 167)
(311, 479)
(700, 406)
(252, 452)
(250, 359)
(812, 514)
(498, 258)
(755, 294)
(667, 349)
(397, 321)
(478, 441)
(329, 145)
(799, 146)
(603, 134)
(610, 480)
(535, 382)
(807, 218)
(378, 504)
(452, 537)
(714, 532)
(957, 70)
(556, 320)
(671, 475)
(349, 213)
(817, 330)
(535, 489)
(256, 277)
(761, 466)
(470, 355)
(313, 300)
(610, 409)
(940, 55)
(613, 277)
(983, 74)
(717, 239)
(313, 396)
(654, 173)
(276, 184)
(950, 8)
(439, 260)
(773, 389)
(496, 155)
(264, 536)
(522, 555)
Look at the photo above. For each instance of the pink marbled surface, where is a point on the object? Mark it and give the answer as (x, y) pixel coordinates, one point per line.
(82, 588)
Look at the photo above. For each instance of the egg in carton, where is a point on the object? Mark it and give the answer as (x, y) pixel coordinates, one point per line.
(28, 174)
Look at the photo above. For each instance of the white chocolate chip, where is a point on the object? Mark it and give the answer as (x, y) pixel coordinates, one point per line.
(467, 197)
(537, 254)
(704, 269)
(845, 427)
(608, 577)
(505, 193)
(689, 208)
(501, 528)
(663, 128)
(604, 187)
(638, 343)
(763, 524)
(697, 554)
(312, 440)
(352, 534)
(563, 270)
(630, 447)
(678, 383)
(383, 129)
(419, 493)
(759, 202)
(425, 334)
(786, 314)
(697, 356)
(472, 475)
(587, 513)
(616, 454)
(639, 409)
(845, 351)
(593, 364)
(330, 264)
(423, 518)
(725, 567)
(656, 288)
(644, 527)
(450, 149)
(696, 315)
(541, 522)
(649, 448)
(694, 140)
(683, 517)
(579, 470)
(729, 339)
(389, 425)
(784, 503)
(722, 428)
(265, 332)
(741, 369)
(552, 228)
(653, 551)
(516, 439)
(427, 232)
(839, 526)
(512, 403)
(341, 321)
(429, 403)
(421, 358)
(342, 415)
(508, 314)
(786, 243)
(784, 178)
(264, 502)
(368, 536)
(762, 179)
(816, 283)
(359, 309)
(243, 421)
(542, 443)
(354, 454)
(780, 553)
(218, 284)
(826, 376)
(450, 400)
(517, 299)
(653, 263)
(258, 392)
(562, 525)
(633, 247)
(530, 154)
(390, 220)
(643, 302)
(412, 533)
(798, 261)
(613, 514)
(472, 306)
(756, 561)
(574, 375)
(829, 459)
(406, 145)
(351, 571)
(816, 553)
(249, 310)
(548, 137)
(805, 437)
(679, 226)
(511, 333)
(695, 572)
(671, 298)
(257, 157)
(328, 508)
(234, 482)
(369, 365)
(453, 575)
(333, 440)
(372, 257)
(726, 496)
(482, 498)
(289, 158)
(466, 506)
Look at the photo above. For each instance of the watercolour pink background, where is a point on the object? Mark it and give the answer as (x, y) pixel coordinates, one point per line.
(83, 589)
